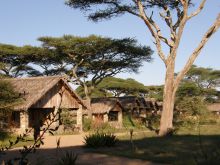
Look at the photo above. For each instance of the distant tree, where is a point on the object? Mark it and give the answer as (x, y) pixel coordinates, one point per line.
(201, 81)
(155, 91)
(93, 58)
(8, 99)
(119, 86)
(205, 78)
(175, 14)
(97, 92)
(14, 60)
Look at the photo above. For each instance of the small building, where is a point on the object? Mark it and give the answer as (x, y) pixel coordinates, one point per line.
(214, 108)
(107, 110)
(43, 97)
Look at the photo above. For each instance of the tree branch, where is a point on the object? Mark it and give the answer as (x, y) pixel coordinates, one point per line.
(150, 24)
(196, 52)
(201, 6)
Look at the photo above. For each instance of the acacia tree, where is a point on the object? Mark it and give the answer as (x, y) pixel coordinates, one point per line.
(202, 81)
(175, 14)
(115, 87)
(14, 60)
(93, 58)
(119, 86)
(30, 61)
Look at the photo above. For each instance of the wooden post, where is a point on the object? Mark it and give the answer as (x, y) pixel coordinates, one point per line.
(120, 119)
(24, 121)
(79, 118)
(105, 117)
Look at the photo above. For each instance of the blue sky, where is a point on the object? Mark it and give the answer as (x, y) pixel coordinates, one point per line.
(23, 21)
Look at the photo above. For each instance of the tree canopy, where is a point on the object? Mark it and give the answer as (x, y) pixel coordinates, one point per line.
(15, 60)
(115, 87)
(90, 59)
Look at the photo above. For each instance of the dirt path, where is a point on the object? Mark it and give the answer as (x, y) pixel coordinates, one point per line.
(49, 154)
(65, 141)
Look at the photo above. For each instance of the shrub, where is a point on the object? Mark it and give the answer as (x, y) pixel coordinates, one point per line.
(209, 156)
(87, 123)
(69, 158)
(190, 112)
(101, 126)
(68, 119)
(4, 135)
(100, 140)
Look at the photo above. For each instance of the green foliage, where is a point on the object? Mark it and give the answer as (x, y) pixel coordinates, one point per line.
(4, 135)
(15, 60)
(100, 140)
(202, 81)
(118, 86)
(8, 98)
(69, 158)
(7, 95)
(155, 92)
(93, 58)
(188, 89)
(191, 111)
(67, 119)
(114, 87)
(129, 122)
(210, 156)
(102, 9)
(87, 124)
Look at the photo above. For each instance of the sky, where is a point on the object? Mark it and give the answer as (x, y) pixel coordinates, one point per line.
(23, 21)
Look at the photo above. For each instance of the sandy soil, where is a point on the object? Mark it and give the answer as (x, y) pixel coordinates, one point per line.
(49, 154)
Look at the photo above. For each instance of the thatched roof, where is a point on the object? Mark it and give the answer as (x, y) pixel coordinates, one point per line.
(101, 106)
(130, 102)
(32, 89)
(214, 107)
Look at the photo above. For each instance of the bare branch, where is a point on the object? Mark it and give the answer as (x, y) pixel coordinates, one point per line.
(151, 25)
(201, 6)
(182, 24)
(206, 37)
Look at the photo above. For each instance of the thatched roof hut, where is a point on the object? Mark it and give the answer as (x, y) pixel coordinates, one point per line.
(101, 106)
(43, 96)
(32, 89)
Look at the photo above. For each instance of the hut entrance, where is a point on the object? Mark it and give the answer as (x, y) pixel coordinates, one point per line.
(113, 116)
(37, 117)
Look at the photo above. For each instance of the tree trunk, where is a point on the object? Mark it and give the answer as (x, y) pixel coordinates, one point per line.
(166, 121)
(88, 100)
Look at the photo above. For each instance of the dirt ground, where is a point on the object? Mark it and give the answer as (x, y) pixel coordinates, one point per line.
(49, 154)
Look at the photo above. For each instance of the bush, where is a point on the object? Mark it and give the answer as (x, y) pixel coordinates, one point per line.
(101, 126)
(68, 119)
(129, 122)
(87, 124)
(4, 135)
(190, 112)
(100, 140)
(68, 159)
(204, 157)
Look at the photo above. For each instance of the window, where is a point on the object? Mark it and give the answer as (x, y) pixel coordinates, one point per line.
(113, 116)
(15, 119)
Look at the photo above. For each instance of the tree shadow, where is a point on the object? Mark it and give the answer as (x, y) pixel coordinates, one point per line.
(178, 149)
(85, 156)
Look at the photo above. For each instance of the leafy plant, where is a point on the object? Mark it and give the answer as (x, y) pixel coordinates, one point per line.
(204, 157)
(68, 120)
(69, 158)
(100, 140)
(87, 124)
